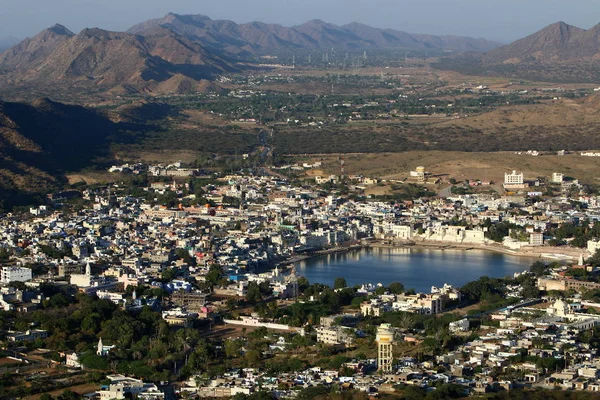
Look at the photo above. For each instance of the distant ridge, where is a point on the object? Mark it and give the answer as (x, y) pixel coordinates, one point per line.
(181, 52)
(559, 52)
(555, 43)
(261, 38)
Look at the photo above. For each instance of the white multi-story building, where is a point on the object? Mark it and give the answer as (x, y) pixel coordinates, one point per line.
(122, 387)
(459, 326)
(15, 274)
(394, 230)
(593, 246)
(536, 239)
(334, 335)
(514, 180)
(557, 177)
(73, 361)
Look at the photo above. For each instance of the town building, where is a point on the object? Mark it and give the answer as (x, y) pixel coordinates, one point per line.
(557, 177)
(335, 335)
(15, 274)
(514, 180)
(122, 387)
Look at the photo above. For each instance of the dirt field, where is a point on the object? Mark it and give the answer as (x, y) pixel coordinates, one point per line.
(229, 331)
(459, 165)
(80, 389)
(91, 178)
(167, 156)
(551, 113)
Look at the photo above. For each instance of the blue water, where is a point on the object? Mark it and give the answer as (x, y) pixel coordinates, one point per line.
(418, 269)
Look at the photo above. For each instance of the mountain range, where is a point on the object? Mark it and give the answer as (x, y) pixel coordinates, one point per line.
(180, 53)
(261, 38)
(99, 58)
(183, 53)
(558, 52)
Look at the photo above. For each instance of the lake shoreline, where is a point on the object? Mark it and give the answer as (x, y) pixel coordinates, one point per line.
(454, 246)
(552, 254)
(558, 253)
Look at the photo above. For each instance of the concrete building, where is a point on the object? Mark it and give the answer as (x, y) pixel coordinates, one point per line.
(562, 284)
(454, 234)
(419, 303)
(15, 274)
(369, 308)
(334, 335)
(536, 239)
(27, 336)
(66, 270)
(514, 180)
(384, 339)
(459, 326)
(122, 387)
(593, 246)
(418, 174)
(557, 177)
(73, 361)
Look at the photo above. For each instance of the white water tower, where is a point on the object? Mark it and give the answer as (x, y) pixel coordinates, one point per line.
(385, 338)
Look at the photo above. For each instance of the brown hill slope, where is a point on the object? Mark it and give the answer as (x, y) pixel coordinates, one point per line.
(33, 50)
(100, 59)
(555, 43)
(559, 53)
(42, 140)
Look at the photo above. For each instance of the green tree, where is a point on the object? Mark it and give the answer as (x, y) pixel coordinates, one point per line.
(253, 358)
(339, 283)
(93, 361)
(214, 275)
(396, 288)
(253, 294)
(538, 268)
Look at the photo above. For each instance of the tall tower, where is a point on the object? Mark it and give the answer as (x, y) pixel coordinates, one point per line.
(384, 339)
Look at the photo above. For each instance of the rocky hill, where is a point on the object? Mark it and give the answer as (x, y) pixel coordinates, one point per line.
(559, 52)
(261, 38)
(32, 51)
(42, 140)
(558, 42)
(96, 59)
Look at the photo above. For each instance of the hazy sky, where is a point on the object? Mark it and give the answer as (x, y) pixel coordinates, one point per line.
(503, 20)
